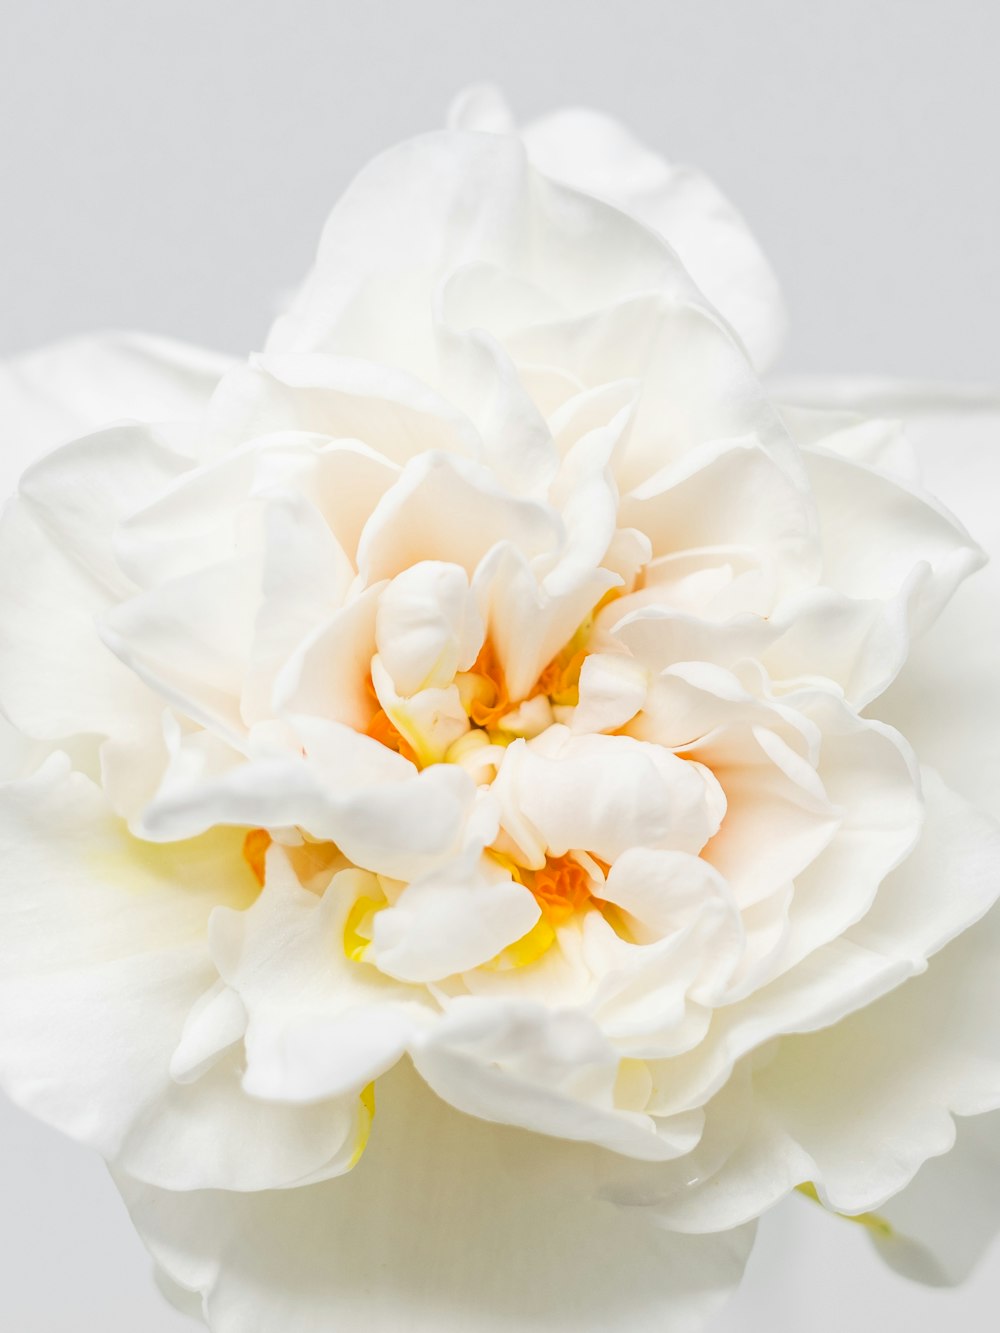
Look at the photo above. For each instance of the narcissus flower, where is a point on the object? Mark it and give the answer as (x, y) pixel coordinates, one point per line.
(458, 866)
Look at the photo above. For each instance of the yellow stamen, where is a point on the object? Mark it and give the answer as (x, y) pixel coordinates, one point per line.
(560, 680)
(358, 927)
(529, 948)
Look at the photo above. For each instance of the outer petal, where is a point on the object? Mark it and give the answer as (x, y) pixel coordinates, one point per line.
(597, 155)
(72, 387)
(957, 663)
(446, 1223)
(470, 199)
(883, 1084)
(103, 954)
(944, 1220)
(858, 1106)
(57, 574)
(946, 1217)
(730, 495)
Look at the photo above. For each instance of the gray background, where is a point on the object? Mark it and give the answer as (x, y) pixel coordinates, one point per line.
(167, 165)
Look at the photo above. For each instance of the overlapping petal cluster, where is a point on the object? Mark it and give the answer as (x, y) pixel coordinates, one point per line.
(485, 683)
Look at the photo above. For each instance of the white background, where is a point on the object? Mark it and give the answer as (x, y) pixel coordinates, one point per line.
(167, 165)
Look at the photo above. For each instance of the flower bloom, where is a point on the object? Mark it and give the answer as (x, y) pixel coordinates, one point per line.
(458, 866)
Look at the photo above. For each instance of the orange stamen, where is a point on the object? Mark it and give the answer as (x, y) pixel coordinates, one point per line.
(486, 712)
(383, 730)
(255, 846)
(562, 888)
(561, 678)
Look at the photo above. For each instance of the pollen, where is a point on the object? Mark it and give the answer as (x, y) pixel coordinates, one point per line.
(359, 926)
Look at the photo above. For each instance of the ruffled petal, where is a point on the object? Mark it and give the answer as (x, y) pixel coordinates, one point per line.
(103, 956)
(452, 919)
(858, 1107)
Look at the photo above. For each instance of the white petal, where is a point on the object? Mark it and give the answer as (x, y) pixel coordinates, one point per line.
(482, 378)
(305, 576)
(431, 720)
(470, 199)
(214, 1024)
(427, 627)
(529, 620)
(602, 794)
(662, 890)
(346, 788)
(944, 885)
(875, 532)
(695, 385)
(190, 639)
(103, 955)
(515, 1062)
(406, 525)
(56, 676)
(70, 388)
(69, 493)
(446, 1223)
(319, 1023)
(58, 574)
(955, 431)
(882, 1085)
(730, 495)
(342, 397)
(957, 663)
(328, 674)
(597, 155)
(870, 777)
(948, 1215)
(612, 690)
(860, 1106)
(452, 919)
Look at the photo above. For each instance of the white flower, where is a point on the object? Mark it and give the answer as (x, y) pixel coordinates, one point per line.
(471, 718)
